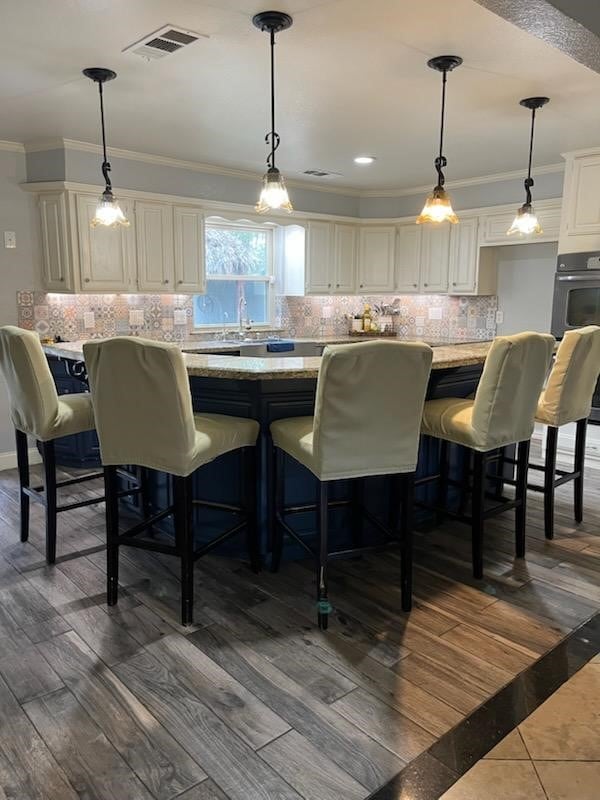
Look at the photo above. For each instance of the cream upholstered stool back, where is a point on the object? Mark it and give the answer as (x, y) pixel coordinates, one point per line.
(567, 398)
(500, 414)
(570, 387)
(367, 417)
(37, 410)
(35, 406)
(143, 403)
(145, 417)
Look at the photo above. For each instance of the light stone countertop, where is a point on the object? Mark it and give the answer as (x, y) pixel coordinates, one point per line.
(290, 367)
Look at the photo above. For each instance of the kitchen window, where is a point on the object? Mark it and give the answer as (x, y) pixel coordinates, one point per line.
(239, 275)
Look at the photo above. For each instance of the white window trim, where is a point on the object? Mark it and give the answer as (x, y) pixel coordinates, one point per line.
(268, 279)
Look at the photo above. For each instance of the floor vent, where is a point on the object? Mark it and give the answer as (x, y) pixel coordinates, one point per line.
(163, 42)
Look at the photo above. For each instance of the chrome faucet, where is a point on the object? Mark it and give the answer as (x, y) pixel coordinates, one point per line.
(242, 313)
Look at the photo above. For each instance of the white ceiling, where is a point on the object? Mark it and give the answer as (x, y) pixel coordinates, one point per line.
(351, 79)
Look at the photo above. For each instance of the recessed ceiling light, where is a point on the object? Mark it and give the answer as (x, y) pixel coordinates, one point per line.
(364, 159)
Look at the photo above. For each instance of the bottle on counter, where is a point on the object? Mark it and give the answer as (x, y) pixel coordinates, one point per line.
(367, 318)
(357, 323)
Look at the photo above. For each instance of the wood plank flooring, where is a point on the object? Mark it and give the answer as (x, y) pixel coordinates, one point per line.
(253, 702)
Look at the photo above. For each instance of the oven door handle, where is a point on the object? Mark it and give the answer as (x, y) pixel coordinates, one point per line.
(575, 278)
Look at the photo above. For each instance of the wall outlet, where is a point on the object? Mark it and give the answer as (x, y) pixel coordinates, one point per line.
(179, 316)
(10, 240)
(499, 317)
(419, 322)
(89, 320)
(136, 317)
(435, 312)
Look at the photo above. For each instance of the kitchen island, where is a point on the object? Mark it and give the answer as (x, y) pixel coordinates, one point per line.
(267, 389)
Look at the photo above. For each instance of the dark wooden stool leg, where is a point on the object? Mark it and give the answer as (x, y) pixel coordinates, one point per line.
(500, 465)
(145, 495)
(49, 459)
(357, 490)
(521, 497)
(407, 498)
(111, 489)
(23, 466)
(184, 536)
(323, 604)
(479, 465)
(579, 467)
(249, 490)
(442, 492)
(549, 481)
(465, 479)
(279, 482)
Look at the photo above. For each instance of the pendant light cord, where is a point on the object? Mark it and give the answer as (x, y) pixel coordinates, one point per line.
(272, 138)
(105, 162)
(440, 161)
(529, 182)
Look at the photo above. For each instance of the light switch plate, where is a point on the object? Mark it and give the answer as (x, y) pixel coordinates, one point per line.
(136, 317)
(89, 320)
(179, 316)
(499, 317)
(10, 240)
(435, 312)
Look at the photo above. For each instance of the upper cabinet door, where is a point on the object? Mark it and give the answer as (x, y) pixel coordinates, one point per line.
(154, 223)
(57, 272)
(190, 270)
(376, 258)
(107, 255)
(408, 258)
(435, 254)
(344, 259)
(494, 226)
(463, 257)
(583, 205)
(319, 247)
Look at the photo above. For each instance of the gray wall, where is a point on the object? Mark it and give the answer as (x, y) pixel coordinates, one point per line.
(19, 268)
(525, 286)
(547, 187)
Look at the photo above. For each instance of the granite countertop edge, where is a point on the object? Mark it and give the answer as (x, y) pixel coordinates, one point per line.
(292, 367)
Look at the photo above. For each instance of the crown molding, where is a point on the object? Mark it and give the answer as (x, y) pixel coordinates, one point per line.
(212, 169)
(497, 177)
(12, 147)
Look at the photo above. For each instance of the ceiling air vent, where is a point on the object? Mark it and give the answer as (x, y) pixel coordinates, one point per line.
(163, 42)
(321, 173)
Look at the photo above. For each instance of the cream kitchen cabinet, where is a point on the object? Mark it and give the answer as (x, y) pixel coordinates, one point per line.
(330, 265)
(580, 224)
(155, 247)
(188, 230)
(435, 258)
(462, 264)
(57, 268)
(106, 255)
(408, 258)
(493, 226)
(376, 245)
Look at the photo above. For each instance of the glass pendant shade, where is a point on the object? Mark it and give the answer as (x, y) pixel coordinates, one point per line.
(437, 208)
(273, 195)
(525, 223)
(109, 213)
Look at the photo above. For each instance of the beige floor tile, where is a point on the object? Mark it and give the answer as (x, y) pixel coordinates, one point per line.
(512, 746)
(595, 659)
(567, 726)
(497, 780)
(570, 780)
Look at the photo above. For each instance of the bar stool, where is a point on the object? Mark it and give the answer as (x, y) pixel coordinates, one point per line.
(144, 417)
(567, 398)
(500, 414)
(368, 410)
(38, 411)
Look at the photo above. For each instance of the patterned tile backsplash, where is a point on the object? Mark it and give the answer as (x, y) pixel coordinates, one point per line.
(169, 317)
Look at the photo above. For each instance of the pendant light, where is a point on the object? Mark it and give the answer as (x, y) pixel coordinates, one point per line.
(108, 211)
(274, 194)
(438, 207)
(526, 222)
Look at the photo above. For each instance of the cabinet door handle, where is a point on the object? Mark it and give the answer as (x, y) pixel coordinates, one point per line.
(415, 285)
(85, 280)
(329, 286)
(337, 286)
(166, 281)
(62, 280)
(425, 284)
(361, 286)
(454, 283)
(180, 281)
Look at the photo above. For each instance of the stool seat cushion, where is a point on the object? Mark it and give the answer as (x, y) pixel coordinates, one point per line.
(295, 436)
(75, 415)
(502, 411)
(217, 434)
(568, 393)
(450, 418)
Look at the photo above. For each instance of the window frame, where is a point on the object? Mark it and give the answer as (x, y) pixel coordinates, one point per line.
(269, 279)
